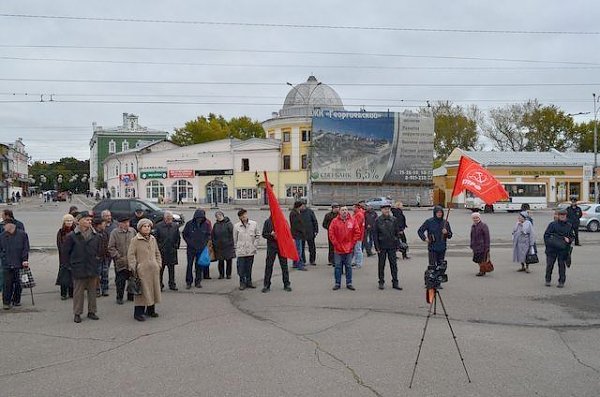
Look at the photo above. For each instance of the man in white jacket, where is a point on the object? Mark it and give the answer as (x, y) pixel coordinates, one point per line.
(245, 238)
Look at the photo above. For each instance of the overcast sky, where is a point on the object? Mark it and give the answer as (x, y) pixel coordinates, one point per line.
(56, 129)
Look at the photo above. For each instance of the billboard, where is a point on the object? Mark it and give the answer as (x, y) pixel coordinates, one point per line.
(386, 147)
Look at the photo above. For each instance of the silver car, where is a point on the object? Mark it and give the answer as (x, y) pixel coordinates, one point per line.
(591, 217)
(377, 202)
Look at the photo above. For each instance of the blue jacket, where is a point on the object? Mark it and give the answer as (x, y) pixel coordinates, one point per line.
(14, 249)
(431, 231)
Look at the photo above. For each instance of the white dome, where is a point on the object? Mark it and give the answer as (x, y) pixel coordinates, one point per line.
(303, 98)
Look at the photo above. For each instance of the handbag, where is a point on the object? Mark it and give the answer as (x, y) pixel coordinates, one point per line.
(487, 266)
(531, 256)
(134, 284)
(203, 258)
(26, 277)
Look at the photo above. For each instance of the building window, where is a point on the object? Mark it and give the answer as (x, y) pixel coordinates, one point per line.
(126, 168)
(305, 135)
(304, 161)
(154, 190)
(271, 135)
(295, 191)
(286, 162)
(112, 147)
(286, 136)
(183, 191)
(132, 168)
(245, 164)
(246, 194)
(124, 146)
(116, 170)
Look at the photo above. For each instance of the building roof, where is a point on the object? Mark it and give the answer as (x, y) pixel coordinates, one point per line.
(140, 148)
(305, 97)
(552, 158)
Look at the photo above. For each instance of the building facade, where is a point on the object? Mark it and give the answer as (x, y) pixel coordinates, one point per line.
(109, 141)
(14, 162)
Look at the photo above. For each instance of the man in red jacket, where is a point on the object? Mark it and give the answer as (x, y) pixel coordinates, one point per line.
(359, 218)
(344, 232)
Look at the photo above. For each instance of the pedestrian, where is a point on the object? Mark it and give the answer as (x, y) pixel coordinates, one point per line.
(418, 200)
(73, 210)
(223, 246)
(9, 215)
(299, 234)
(196, 234)
(311, 226)
(144, 261)
(111, 224)
(523, 240)
(480, 242)
(82, 248)
(64, 278)
(558, 238)
(138, 215)
(370, 219)
(168, 239)
(268, 233)
(574, 214)
(245, 238)
(386, 234)
(398, 213)
(99, 226)
(436, 231)
(180, 200)
(329, 217)
(344, 232)
(359, 218)
(118, 245)
(14, 256)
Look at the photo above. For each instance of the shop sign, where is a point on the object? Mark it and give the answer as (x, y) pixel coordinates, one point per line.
(127, 177)
(213, 172)
(536, 172)
(181, 173)
(161, 174)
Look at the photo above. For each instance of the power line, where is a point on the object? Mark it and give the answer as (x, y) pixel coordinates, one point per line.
(304, 26)
(298, 52)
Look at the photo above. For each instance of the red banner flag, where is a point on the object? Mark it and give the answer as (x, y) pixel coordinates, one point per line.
(285, 242)
(476, 179)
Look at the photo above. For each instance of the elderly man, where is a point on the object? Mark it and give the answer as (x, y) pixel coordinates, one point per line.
(168, 239)
(558, 237)
(8, 215)
(109, 226)
(14, 255)
(118, 244)
(386, 234)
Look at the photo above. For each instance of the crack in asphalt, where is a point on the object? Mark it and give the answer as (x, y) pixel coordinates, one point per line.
(59, 336)
(561, 336)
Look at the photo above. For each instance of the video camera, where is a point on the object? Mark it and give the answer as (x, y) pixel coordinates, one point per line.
(435, 275)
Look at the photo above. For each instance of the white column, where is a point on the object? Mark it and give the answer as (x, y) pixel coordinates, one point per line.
(295, 140)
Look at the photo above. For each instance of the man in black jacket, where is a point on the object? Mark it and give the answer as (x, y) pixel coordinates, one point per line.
(574, 214)
(8, 215)
(298, 233)
(268, 234)
(82, 247)
(330, 216)
(386, 232)
(14, 255)
(370, 218)
(168, 239)
(311, 225)
(196, 234)
(436, 231)
(558, 237)
(401, 219)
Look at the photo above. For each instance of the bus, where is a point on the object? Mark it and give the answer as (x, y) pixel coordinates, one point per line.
(519, 193)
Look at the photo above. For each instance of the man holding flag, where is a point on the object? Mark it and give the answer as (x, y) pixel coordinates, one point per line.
(272, 251)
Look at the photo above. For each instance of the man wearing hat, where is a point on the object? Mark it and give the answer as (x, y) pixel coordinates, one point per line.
(99, 225)
(311, 226)
(386, 234)
(558, 238)
(330, 216)
(299, 234)
(574, 214)
(82, 248)
(118, 244)
(14, 255)
(138, 215)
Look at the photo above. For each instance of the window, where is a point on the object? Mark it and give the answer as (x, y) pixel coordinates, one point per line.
(124, 146)
(305, 135)
(245, 164)
(154, 190)
(304, 161)
(286, 136)
(246, 194)
(271, 135)
(121, 206)
(286, 162)
(126, 168)
(117, 170)
(295, 191)
(182, 190)
(112, 147)
(131, 168)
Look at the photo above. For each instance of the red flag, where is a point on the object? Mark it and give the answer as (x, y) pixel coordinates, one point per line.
(476, 179)
(285, 242)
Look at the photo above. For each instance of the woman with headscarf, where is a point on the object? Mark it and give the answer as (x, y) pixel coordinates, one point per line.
(145, 262)
(222, 241)
(480, 242)
(64, 278)
(523, 240)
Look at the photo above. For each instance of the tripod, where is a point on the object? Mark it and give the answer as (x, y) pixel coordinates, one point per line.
(433, 305)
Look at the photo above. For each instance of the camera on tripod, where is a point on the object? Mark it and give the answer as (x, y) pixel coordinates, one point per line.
(435, 275)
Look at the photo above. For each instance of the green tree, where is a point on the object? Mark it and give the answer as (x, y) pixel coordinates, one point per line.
(215, 127)
(454, 127)
(582, 136)
(548, 127)
(71, 169)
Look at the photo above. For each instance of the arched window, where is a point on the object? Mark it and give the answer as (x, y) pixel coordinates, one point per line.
(124, 146)
(126, 168)
(154, 190)
(182, 190)
(112, 147)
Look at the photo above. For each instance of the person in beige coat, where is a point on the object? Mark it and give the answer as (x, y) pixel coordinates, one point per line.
(144, 261)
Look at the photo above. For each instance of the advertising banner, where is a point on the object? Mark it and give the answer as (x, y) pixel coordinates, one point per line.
(181, 173)
(157, 174)
(384, 147)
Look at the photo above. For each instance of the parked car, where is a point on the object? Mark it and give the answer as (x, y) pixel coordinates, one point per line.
(565, 204)
(591, 217)
(377, 202)
(120, 207)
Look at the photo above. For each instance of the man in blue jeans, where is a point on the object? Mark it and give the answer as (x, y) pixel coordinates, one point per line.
(245, 239)
(299, 232)
(344, 233)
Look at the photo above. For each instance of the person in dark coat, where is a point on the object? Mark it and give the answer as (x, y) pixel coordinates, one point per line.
(574, 214)
(401, 219)
(223, 246)
(311, 226)
(330, 216)
(196, 234)
(9, 215)
(168, 239)
(480, 241)
(64, 278)
(138, 215)
(299, 234)
(370, 218)
(82, 247)
(99, 226)
(436, 231)
(14, 255)
(272, 251)
(386, 233)
(558, 238)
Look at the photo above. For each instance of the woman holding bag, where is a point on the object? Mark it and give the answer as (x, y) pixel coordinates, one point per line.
(64, 278)
(480, 244)
(523, 240)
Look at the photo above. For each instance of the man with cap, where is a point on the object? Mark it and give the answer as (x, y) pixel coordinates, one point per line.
(138, 214)
(99, 225)
(344, 233)
(168, 239)
(14, 255)
(574, 214)
(436, 231)
(311, 226)
(330, 216)
(268, 233)
(386, 234)
(298, 233)
(118, 245)
(82, 247)
(558, 238)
